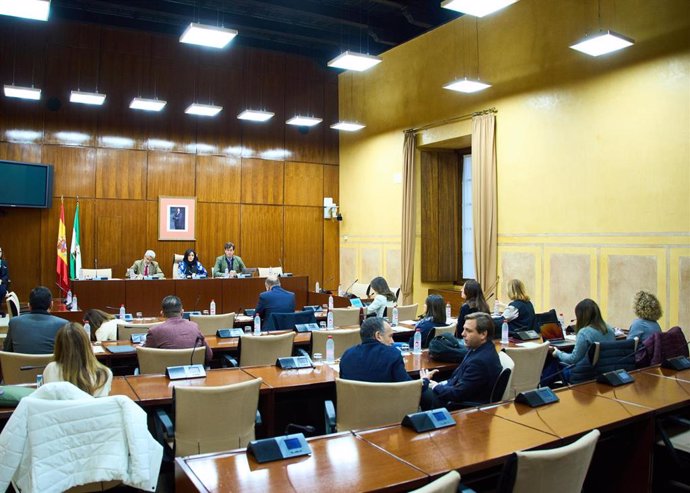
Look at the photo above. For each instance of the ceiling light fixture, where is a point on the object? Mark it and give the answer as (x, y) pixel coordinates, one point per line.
(467, 86)
(350, 60)
(304, 121)
(12, 91)
(477, 8)
(603, 43)
(147, 104)
(347, 126)
(203, 35)
(83, 97)
(28, 9)
(203, 109)
(255, 115)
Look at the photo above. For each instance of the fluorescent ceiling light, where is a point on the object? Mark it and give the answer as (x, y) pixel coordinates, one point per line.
(200, 34)
(349, 60)
(28, 9)
(203, 109)
(347, 126)
(467, 86)
(147, 104)
(12, 91)
(603, 43)
(304, 121)
(255, 115)
(87, 97)
(477, 8)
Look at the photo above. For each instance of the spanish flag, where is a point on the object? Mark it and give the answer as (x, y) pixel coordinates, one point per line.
(62, 269)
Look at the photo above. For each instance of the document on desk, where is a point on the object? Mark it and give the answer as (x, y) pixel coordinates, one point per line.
(98, 349)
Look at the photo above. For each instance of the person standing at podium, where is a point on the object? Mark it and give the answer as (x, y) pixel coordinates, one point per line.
(147, 266)
(274, 300)
(229, 264)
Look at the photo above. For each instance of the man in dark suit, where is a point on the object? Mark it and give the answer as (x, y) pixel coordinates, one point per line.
(274, 300)
(34, 333)
(474, 379)
(375, 359)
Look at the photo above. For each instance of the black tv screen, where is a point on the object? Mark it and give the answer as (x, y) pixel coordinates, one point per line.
(26, 185)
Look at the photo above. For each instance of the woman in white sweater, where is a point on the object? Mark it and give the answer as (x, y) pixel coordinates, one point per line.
(103, 325)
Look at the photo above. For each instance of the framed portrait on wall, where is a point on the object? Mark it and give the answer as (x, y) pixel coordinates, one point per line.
(176, 218)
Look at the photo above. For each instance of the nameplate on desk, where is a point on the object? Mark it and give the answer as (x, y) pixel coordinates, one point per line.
(526, 335)
(537, 397)
(243, 276)
(121, 349)
(293, 362)
(185, 371)
(313, 308)
(128, 317)
(227, 333)
(306, 327)
(429, 420)
(279, 448)
(677, 363)
(151, 278)
(615, 378)
(138, 338)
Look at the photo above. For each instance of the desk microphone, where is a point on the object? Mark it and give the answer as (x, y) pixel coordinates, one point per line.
(347, 291)
(196, 342)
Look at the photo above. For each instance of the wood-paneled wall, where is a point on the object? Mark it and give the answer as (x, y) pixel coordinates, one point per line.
(258, 185)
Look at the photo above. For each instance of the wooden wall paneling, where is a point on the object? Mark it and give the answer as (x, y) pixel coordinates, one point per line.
(331, 138)
(331, 183)
(21, 247)
(25, 153)
(304, 241)
(75, 170)
(302, 184)
(331, 255)
(121, 174)
(170, 173)
(261, 229)
(218, 179)
(164, 249)
(262, 181)
(216, 224)
(304, 93)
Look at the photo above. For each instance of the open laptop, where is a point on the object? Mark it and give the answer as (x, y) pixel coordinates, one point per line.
(553, 334)
(357, 303)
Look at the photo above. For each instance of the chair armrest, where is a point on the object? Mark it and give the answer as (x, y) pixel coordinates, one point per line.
(301, 352)
(329, 414)
(257, 420)
(229, 361)
(163, 423)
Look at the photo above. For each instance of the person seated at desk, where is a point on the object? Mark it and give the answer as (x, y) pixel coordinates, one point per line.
(228, 265)
(434, 316)
(103, 325)
(176, 332)
(383, 297)
(146, 266)
(474, 302)
(648, 310)
(190, 267)
(34, 333)
(4, 279)
(75, 362)
(274, 300)
(520, 312)
(474, 379)
(375, 359)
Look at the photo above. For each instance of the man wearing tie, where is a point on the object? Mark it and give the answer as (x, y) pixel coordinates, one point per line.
(147, 266)
(228, 263)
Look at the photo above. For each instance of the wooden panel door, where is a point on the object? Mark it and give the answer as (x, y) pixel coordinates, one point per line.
(262, 235)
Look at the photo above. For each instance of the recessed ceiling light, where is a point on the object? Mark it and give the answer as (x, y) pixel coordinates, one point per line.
(87, 97)
(347, 126)
(467, 86)
(147, 104)
(477, 8)
(255, 115)
(28, 9)
(12, 91)
(203, 109)
(304, 121)
(350, 60)
(603, 43)
(203, 35)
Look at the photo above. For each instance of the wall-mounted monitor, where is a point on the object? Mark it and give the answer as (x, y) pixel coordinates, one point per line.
(26, 185)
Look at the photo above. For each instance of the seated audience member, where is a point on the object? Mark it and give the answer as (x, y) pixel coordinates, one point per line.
(434, 316)
(75, 362)
(589, 328)
(474, 302)
(176, 332)
(274, 300)
(375, 359)
(474, 379)
(4, 279)
(103, 325)
(34, 333)
(147, 266)
(190, 266)
(229, 264)
(648, 311)
(383, 297)
(520, 312)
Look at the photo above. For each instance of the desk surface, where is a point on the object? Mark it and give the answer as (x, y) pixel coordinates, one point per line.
(293, 379)
(683, 375)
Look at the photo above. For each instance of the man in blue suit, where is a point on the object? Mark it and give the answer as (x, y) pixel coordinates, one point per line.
(474, 379)
(34, 333)
(375, 359)
(274, 300)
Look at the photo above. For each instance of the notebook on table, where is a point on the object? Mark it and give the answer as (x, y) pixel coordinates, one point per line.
(553, 334)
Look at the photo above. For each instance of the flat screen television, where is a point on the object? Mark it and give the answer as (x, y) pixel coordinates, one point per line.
(26, 185)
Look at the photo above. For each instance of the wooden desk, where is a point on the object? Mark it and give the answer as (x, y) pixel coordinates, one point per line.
(683, 375)
(120, 386)
(322, 299)
(338, 463)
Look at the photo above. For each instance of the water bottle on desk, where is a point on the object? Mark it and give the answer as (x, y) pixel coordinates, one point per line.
(497, 308)
(330, 302)
(317, 287)
(213, 307)
(122, 312)
(329, 320)
(330, 350)
(504, 333)
(227, 273)
(257, 325)
(394, 319)
(340, 290)
(417, 342)
(75, 304)
(87, 328)
(561, 322)
(447, 312)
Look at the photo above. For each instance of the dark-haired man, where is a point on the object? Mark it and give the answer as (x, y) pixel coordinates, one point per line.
(34, 333)
(229, 264)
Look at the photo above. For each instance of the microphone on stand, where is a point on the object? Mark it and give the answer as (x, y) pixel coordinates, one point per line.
(347, 291)
(196, 344)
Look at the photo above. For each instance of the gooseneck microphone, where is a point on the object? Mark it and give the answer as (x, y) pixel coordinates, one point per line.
(196, 344)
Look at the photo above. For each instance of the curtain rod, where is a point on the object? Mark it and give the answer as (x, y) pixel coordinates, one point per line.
(452, 120)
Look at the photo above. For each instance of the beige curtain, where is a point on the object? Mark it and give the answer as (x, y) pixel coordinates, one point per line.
(484, 201)
(408, 218)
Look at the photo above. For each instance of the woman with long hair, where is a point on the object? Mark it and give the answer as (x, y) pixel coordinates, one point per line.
(76, 364)
(103, 325)
(521, 315)
(383, 297)
(648, 311)
(434, 316)
(589, 328)
(474, 302)
(190, 266)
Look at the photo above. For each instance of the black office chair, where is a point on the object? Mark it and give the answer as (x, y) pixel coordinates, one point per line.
(550, 317)
(603, 357)
(287, 321)
(497, 392)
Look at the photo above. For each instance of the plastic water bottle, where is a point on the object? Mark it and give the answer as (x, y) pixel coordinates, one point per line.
(270, 271)
(329, 320)
(213, 307)
(447, 311)
(87, 328)
(417, 342)
(330, 350)
(504, 333)
(227, 272)
(257, 325)
(497, 309)
(561, 322)
(122, 312)
(330, 302)
(68, 298)
(317, 287)
(340, 290)
(394, 320)
(75, 304)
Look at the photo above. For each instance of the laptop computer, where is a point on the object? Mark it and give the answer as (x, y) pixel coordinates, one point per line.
(356, 302)
(553, 334)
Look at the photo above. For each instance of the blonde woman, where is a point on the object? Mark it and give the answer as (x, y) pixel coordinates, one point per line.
(521, 315)
(648, 311)
(76, 364)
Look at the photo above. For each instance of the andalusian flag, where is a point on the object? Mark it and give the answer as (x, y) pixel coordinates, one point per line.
(62, 269)
(75, 249)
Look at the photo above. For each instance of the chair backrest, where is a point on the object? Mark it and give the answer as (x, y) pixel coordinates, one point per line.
(155, 360)
(265, 349)
(661, 346)
(266, 271)
(550, 317)
(603, 357)
(10, 363)
(448, 483)
(287, 321)
(529, 363)
(405, 312)
(211, 419)
(209, 324)
(445, 329)
(366, 404)
(96, 273)
(561, 469)
(342, 340)
(124, 331)
(360, 290)
(343, 317)
(396, 293)
(177, 258)
(12, 302)
(501, 388)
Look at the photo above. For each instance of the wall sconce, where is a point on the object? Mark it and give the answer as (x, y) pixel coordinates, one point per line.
(330, 209)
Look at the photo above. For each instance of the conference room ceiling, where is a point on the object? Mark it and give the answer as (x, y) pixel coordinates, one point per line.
(320, 29)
